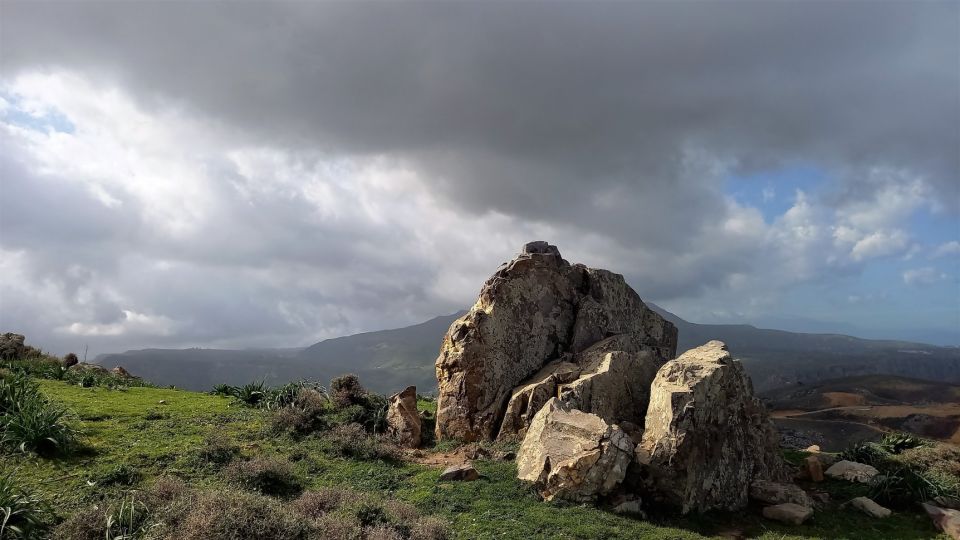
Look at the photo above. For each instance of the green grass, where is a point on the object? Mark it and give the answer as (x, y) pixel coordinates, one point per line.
(130, 438)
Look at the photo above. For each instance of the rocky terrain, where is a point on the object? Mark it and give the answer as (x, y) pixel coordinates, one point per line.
(572, 362)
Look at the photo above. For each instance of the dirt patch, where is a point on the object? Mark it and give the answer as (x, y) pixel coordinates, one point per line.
(843, 399)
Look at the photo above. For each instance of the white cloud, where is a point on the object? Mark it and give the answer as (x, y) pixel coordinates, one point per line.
(918, 277)
(947, 249)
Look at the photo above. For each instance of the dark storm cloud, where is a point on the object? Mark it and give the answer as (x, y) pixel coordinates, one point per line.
(529, 107)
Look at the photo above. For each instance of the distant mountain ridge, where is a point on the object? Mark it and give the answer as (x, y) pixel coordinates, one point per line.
(389, 360)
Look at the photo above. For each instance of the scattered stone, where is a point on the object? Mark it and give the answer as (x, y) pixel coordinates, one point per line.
(162, 402)
(119, 371)
(947, 520)
(870, 508)
(769, 492)
(459, 473)
(573, 455)
(707, 437)
(403, 419)
(534, 310)
(629, 505)
(791, 513)
(814, 468)
(813, 449)
(852, 471)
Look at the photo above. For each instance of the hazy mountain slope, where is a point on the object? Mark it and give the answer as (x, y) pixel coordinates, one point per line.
(388, 360)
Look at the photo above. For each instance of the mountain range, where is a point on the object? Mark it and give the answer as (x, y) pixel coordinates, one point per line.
(389, 360)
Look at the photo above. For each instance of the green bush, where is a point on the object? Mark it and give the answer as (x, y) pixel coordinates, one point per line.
(22, 514)
(346, 390)
(904, 488)
(897, 443)
(307, 414)
(869, 453)
(351, 440)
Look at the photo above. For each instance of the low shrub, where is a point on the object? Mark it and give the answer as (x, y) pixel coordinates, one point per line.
(229, 515)
(218, 449)
(905, 487)
(22, 514)
(897, 443)
(346, 390)
(125, 520)
(314, 504)
(939, 458)
(270, 476)
(306, 414)
(869, 453)
(351, 440)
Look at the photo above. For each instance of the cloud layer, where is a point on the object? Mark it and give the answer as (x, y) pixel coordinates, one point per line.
(270, 174)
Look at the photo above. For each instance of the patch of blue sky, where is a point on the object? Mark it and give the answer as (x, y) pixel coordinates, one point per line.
(936, 228)
(773, 192)
(49, 120)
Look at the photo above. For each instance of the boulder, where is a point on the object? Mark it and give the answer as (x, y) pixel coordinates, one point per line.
(12, 346)
(852, 471)
(946, 520)
(768, 492)
(403, 419)
(534, 310)
(869, 507)
(459, 473)
(793, 514)
(814, 468)
(573, 455)
(707, 437)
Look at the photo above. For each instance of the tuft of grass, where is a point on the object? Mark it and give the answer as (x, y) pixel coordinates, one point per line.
(897, 443)
(218, 449)
(31, 423)
(352, 441)
(22, 514)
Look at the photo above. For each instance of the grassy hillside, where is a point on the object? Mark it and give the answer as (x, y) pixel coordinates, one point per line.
(135, 439)
(389, 360)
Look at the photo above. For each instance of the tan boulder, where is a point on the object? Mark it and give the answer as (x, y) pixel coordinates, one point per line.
(790, 513)
(947, 520)
(814, 468)
(573, 455)
(769, 492)
(852, 471)
(534, 310)
(528, 398)
(869, 507)
(403, 418)
(707, 437)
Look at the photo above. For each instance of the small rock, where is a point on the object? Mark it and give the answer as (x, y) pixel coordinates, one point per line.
(813, 449)
(459, 473)
(506, 455)
(852, 471)
(814, 469)
(791, 513)
(776, 493)
(475, 451)
(870, 508)
(947, 502)
(947, 520)
(630, 506)
(162, 402)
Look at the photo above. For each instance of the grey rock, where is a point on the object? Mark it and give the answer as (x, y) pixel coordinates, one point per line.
(790, 513)
(852, 471)
(769, 492)
(870, 508)
(459, 473)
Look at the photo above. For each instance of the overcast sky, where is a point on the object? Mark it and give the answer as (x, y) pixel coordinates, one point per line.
(243, 174)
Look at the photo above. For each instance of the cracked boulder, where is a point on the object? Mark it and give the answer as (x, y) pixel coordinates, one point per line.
(707, 438)
(403, 419)
(573, 455)
(536, 310)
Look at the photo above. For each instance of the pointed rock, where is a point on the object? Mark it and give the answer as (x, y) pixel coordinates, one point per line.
(403, 419)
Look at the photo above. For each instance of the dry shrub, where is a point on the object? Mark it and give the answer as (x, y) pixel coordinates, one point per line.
(218, 449)
(381, 532)
(267, 475)
(337, 527)
(86, 524)
(430, 528)
(229, 515)
(401, 512)
(165, 490)
(314, 504)
(938, 458)
(305, 415)
(346, 390)
(351, 440)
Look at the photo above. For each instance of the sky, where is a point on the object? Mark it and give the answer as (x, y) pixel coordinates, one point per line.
(179, 174)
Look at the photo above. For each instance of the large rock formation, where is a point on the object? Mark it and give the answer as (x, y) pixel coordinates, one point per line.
(493, 367)
(707, 437)
(573, 455)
